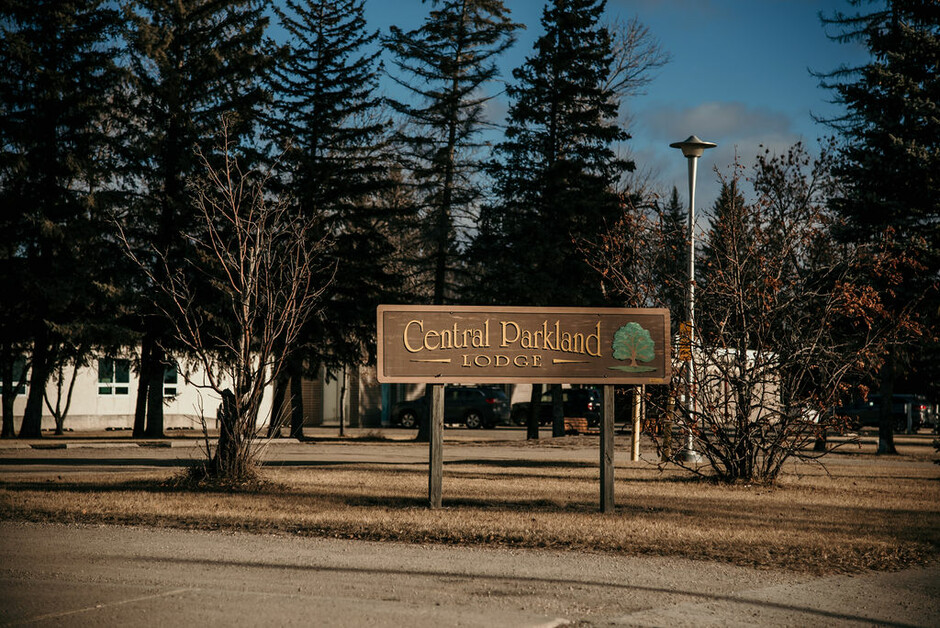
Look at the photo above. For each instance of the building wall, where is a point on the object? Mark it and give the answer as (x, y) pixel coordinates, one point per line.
(367, 402)
(91, 410)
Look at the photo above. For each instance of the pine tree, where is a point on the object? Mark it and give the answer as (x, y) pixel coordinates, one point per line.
(57, 92)
(890, 154)
(727, 257)
(727, 234)
(192, 61)
(446, 64)
(672, 255)
(556, 172)
(328, 118)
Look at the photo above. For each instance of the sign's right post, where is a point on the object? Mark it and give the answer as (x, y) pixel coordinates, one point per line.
(635, 437)
(607, 450)
(436, 453)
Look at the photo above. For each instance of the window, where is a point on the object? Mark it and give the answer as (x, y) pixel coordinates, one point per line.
(114, 376)
(18, 365)
(170, 380)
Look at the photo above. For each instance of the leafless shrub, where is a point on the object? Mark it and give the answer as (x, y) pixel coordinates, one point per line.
(783, 324)
(242, 292)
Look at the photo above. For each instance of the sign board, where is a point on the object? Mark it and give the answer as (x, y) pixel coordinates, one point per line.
(685, 341)
(490, 345)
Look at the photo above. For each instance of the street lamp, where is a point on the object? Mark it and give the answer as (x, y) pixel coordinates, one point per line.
(692, 149)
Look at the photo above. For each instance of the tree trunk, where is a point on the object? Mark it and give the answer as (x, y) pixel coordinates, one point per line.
(143, 384)
(668, 421)
(226, 451)
(885, 418)
(60, 411)
(822, 441)
(10, 388)
(444, 218)
(558, 412)
(535, 412)
(155, 393)
(278, 411)
(32, 416)
(342, 401)
(8, 399)
(57, 413)
(296, 402)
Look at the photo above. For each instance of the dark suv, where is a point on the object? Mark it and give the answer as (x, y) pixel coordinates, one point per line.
(862, 412)
(474, 406)
(578, 402)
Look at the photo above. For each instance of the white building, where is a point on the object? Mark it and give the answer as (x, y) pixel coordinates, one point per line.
(104, 395)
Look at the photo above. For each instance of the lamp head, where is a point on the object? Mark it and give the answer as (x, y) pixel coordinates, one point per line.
(693, 146)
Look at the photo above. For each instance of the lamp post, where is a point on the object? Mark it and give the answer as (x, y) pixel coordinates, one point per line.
(692, 148)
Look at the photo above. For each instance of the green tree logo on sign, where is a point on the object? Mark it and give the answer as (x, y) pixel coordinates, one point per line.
(632, 342)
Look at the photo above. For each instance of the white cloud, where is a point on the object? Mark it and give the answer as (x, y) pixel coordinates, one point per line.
(716, 119)
(741, 132)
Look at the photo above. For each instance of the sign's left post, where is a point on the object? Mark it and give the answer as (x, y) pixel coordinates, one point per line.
(436, 454)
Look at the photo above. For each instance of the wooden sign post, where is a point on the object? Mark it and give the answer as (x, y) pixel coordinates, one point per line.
(440, 345)
(436, 453)
(607, 451)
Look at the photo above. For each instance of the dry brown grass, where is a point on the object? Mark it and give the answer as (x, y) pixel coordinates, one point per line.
(873, 513)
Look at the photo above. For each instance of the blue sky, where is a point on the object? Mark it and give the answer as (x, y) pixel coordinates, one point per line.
(739, 76)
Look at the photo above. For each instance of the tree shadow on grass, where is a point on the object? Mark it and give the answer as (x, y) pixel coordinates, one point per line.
(916, 525)
(531, 505)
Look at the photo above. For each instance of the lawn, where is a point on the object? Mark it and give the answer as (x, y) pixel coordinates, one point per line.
(862, 512)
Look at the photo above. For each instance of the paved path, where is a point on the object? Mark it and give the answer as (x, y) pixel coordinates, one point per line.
(117, 576)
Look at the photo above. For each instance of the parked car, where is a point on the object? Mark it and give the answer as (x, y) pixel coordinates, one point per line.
(473, 406)
(866, 412)
(578, 402)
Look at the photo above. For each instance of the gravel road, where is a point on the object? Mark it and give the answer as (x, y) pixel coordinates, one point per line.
(73, 575)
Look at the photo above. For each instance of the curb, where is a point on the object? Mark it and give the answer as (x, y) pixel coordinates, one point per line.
(14, 445)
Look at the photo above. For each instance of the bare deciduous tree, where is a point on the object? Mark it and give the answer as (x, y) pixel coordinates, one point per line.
(637, 55)
(245, 289)
(783, 323)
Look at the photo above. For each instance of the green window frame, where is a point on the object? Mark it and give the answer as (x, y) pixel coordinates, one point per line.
(18, 365)
(114, 376)
(171, 380)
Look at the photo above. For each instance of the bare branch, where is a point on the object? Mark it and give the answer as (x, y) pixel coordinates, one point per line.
(637, 56)
(254, 274)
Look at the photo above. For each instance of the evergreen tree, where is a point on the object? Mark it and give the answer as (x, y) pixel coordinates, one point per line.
(327, 117)
(192, 61)
(556, 172)
(728, 233)
(727, 256)
(56, 96)
(890, 154)
(446, 64)
(672, 257)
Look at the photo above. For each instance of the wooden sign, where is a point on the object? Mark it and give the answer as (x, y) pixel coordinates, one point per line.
(489, 345)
